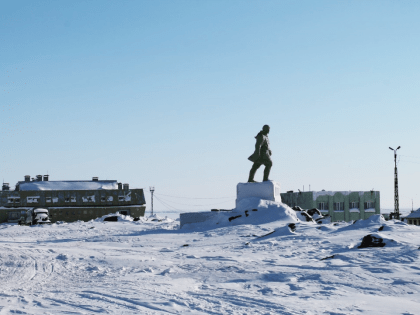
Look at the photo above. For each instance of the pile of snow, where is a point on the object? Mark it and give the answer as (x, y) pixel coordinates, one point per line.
(250, 211)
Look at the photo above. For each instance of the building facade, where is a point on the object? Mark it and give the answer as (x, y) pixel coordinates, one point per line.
(339, 205)
(70, 200)
(413, 218)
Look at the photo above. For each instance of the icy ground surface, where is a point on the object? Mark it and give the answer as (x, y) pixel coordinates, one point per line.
(152, 267)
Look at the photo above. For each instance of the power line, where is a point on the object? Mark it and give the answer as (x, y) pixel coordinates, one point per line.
(184, 204)
(166, 205)
(194, 198)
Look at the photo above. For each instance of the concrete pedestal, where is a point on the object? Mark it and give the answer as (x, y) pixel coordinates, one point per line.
(269, 190)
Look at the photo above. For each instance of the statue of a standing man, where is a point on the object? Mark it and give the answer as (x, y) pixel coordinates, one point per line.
(262, 155)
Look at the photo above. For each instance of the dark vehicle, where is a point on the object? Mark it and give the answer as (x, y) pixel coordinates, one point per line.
(35, 216)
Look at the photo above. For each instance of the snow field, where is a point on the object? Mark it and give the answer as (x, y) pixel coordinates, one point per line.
(153, 267)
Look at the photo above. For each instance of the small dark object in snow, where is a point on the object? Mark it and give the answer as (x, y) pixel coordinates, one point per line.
(319, 221)
(246, 213)
(157, 220)
(266, 234)
(113, 218)
(215, 209)
(371, 241)
(254, 209)
(329, 257)
(233, 218)
(297, 208)
(381, 228)
(185, 245)
(355, 221)
(136, 219)
(335, 224)
(312, 211)
(92, 227)
(292, 227)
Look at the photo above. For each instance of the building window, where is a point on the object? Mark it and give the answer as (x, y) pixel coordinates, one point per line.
(323, 206)
(124, 198)
(106, 198)
(48, 199)
(89, 198)
(13, 199)
(67, 199)
(14, 215)
(409, 221)
(73, 198)
(369, 205)
(55, 199)
(354, 205)
(338, 206)
(33, 199)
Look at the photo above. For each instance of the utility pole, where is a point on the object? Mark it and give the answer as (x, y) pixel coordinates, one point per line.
(396, 198)
(152, 190)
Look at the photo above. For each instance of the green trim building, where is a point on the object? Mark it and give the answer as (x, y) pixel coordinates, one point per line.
(339, 205)
(70, 200)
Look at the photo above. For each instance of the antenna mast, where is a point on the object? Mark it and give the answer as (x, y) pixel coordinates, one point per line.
(396, 197)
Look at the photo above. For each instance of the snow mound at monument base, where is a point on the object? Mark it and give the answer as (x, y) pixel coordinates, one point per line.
(248, 211)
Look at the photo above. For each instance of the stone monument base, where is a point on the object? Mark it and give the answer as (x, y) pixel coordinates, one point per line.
(268, 190)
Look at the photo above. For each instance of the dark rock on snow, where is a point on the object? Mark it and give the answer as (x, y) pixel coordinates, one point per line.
(235, 217)
(372, 241)
(307, 216)
(292, 227)
(313, 211)
(329, 257)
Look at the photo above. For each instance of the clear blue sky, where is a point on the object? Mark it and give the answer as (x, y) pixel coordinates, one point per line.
(172, 93)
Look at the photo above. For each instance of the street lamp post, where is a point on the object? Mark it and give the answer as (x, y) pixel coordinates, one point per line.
(152, 190)
(396, 198)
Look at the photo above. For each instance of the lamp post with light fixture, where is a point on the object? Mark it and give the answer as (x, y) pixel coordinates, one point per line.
(152, 190)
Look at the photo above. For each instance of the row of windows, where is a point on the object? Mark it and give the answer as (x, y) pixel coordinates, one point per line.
(36, 199)
(80, 212)
(413, 221)
(337, 206)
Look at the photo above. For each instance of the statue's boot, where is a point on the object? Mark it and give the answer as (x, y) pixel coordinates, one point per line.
(251, 175)
(266, 173)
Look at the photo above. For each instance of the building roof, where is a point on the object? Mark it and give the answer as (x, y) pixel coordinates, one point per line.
(68, 185)
(414, 214)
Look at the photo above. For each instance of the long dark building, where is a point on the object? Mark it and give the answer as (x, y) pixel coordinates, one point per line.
(70, 200)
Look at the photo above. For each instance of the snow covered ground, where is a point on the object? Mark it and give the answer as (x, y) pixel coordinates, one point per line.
(153, 267)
